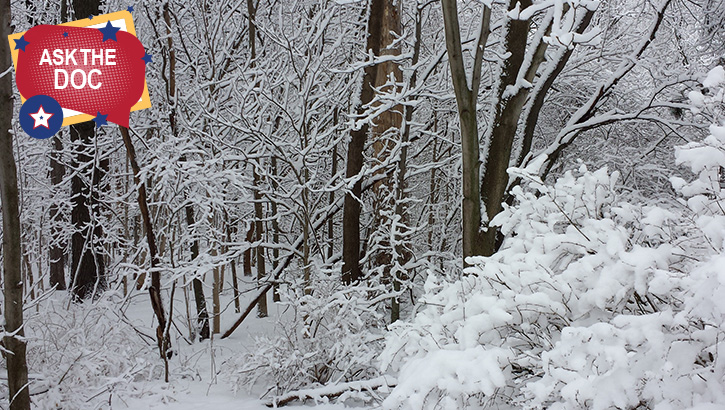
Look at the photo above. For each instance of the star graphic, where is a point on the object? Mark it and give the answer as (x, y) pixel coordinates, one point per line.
(109, 32)
(41, 118)
(90, 17)
(65, 34)
(100, 119)
(21, 43)
(130, 9)
(146, 58)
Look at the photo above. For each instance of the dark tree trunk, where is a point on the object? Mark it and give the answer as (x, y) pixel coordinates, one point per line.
(197, 285)
(385, 134)
(201, 312)
(162, 337)
(505, 123)
(57, 244)
(259, 228)
(333, 173)
(13, 287)
(87, 265)
(351, 271)
(275, 226)
(231, 233)
(248, 252)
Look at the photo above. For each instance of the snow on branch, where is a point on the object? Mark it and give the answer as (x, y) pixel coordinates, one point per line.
(334, 390)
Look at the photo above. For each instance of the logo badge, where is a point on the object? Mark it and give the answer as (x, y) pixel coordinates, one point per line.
(41, 116)
(95, 69)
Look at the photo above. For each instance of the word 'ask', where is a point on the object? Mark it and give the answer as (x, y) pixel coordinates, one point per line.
(104, 57)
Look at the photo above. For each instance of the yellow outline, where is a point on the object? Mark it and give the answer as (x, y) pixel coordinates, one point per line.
(145, 101)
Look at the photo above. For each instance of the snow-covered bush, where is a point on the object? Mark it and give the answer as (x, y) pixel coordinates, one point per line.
(331, 336)
(667, 359)
(591, 302)
(575, 255)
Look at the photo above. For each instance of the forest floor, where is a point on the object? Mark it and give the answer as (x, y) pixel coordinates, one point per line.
(103, 355)
(198, 372)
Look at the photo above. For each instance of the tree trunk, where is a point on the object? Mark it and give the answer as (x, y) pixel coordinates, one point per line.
(351, 271)
(259, 228)
(402, 250)
(385, 134)
(201, 312)
(466, 98)
(231, 230)
(503, 129)
(333, 173)
(162, 339)
(216, 288)
(199, 299)
(248, 251)
(57, 245)
(18, 392)
(275, 225)
(87, 264)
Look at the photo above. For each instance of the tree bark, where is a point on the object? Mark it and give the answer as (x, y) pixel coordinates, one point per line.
(198, 287)
(87, 264)
(216, 289)
(162, 339)
(385, 134)
(351, 271)
(201, 312)
(259, 215)
(466, 98)
(247, 258)
(18, 392)
(275, 224)
(57, 245)
(231, 230)
(503, 130)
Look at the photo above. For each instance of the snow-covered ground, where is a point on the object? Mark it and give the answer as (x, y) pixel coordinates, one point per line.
(103, 355)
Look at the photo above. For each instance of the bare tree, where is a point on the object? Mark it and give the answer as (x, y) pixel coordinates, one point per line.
(14, 342)
(466, 98)
(351, 271)
(57, 244)
(87, 261)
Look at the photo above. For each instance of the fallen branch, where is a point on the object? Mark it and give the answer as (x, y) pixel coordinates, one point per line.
(333, 390)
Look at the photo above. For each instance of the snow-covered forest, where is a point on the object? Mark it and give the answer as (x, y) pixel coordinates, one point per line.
(394, 204)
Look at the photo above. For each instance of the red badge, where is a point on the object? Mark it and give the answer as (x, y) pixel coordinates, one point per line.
(94, 68)
(83, 72)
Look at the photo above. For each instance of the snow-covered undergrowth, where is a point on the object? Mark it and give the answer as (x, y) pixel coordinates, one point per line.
(333, 336)
(594, 301)
(85, 355)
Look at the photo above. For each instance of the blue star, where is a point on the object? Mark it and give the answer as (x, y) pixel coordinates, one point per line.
(21, 43)
(100, 119)
(109, 32)
(146, 58)
(65, 34)
(90, 17)
(130, 9)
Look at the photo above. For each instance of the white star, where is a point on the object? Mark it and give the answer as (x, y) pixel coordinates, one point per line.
(41, 118)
